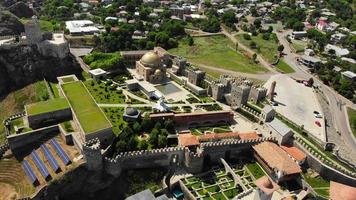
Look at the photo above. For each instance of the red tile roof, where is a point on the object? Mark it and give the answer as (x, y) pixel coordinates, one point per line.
(217, 136)
(339, 191)
(276, 157)
(248, 136)
(296, 153)
(188, 140)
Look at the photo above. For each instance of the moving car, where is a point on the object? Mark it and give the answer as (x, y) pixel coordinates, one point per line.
(318, 123)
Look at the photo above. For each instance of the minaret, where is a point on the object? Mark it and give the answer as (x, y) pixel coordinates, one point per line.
(271, 91)
(33, 31)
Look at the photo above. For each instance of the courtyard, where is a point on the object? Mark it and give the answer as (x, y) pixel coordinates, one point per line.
(298, 103)
(218, 184)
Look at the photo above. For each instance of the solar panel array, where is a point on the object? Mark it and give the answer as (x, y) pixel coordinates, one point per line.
(40, 165)
(62, 154)
(50, 157)
(29, 172)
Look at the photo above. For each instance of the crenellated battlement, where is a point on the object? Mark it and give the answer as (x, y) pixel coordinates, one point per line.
(93, 144)
(143, 153)
(235, 142)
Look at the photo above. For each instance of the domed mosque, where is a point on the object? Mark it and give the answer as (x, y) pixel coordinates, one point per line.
(151, 68)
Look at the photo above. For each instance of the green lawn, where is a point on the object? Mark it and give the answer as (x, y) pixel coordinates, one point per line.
(256, 170)
(88, 113)
(352, 119)
(103, 93)
(54, 89)
(47, 106)
(67, 79)
(268, 49)
(298, 46)
(284, 67)
(217, 51)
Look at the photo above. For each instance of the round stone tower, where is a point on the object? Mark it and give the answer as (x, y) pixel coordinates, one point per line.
(33, 31)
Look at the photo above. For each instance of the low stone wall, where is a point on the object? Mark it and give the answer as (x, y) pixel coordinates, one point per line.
(331, 173)
(45, 119)
(24, 140)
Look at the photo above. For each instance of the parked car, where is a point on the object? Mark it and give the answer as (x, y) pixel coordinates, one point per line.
(318, 123)
(318, 115)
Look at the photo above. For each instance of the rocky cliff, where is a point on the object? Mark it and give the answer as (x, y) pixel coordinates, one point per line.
(10, 24)
(22, 65)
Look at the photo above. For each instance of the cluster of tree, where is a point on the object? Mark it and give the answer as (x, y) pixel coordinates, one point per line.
(121, 39)
(320, 38)
(59, 9)
(291, 17)
(332, 78)
(128, 139)
(104, 61)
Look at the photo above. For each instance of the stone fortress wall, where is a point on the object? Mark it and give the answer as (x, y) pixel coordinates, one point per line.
(192, 160)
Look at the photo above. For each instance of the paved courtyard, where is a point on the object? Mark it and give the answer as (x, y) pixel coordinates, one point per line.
(297, 102)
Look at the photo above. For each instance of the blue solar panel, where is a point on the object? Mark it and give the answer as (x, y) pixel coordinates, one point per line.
(63, 155)
(39, 164)
(50, 157)
(29, 172)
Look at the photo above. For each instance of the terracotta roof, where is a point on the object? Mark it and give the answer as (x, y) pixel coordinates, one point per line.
(247, 136)
(276, 157)
(339, 191)
(188, 140)
(266, 185)
(296, 153)
(216, 136)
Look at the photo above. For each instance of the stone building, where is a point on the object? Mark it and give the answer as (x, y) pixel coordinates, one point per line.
(49, 44)
(235, 91)
(196, 77)
(257, 94)
(151, 68)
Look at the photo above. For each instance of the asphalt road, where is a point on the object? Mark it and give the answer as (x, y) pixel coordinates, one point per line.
(338, 109)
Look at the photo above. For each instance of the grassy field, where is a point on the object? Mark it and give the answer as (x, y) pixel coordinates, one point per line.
(284, 67)
(15, 101)
(298, 46)
(268, 49)
(320, 185)
(47, 106)
(46, 25)
(352, 119)
(217, 51)
(256, 170)
(88, 113)
(54, 88)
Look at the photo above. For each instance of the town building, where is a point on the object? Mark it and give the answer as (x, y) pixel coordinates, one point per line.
(81, 27)
(276, 162)
(98, 74)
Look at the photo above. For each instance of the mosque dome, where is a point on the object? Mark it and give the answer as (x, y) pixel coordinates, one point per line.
(158, 72)
(151, 59)
(131, 111)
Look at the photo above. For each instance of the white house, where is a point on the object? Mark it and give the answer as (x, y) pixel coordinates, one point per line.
(339, 52)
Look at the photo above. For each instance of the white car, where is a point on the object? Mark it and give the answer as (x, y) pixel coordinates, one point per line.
(318, 115)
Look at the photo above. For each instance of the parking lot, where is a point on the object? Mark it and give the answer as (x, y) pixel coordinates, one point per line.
(298, 103)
